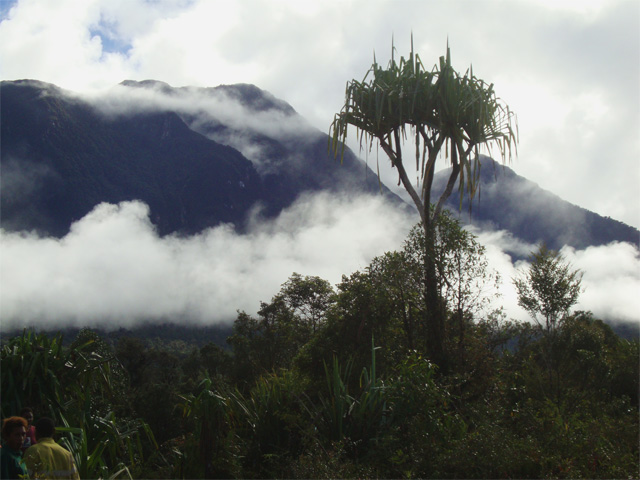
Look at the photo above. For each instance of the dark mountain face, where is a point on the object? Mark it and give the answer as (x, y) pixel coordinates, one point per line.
(61, 157)
(507, 201)
(204, 156)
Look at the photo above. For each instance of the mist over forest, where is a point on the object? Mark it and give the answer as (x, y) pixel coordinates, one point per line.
(117, 262)
(198, 295)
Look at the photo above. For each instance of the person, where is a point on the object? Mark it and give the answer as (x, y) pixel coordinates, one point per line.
(30, 439)
(14, 429)
(47, 459)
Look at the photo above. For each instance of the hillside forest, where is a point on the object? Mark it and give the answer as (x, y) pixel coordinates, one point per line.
(405, 369)
(339, 382)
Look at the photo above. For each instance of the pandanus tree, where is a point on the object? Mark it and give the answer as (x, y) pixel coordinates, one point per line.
(448, 115)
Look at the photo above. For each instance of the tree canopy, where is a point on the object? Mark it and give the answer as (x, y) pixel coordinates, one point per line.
(549, 288)
(444, 112)
(439, 108)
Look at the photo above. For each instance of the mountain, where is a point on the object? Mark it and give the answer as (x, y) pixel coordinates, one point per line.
(204, 156)
(507, 201)
(63, 154)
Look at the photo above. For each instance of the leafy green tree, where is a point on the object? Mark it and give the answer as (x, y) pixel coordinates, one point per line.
(386, 301)
(283, 326)
(466, 286)
(398, 280)
(549, 288)
(361, 311)
(442, 110)
(80, 386)
(308, 297)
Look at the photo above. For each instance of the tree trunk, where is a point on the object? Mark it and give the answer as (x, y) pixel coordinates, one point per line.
(434, 314)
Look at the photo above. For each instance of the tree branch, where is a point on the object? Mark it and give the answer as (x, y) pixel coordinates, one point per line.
(406, 183)
(452, 179)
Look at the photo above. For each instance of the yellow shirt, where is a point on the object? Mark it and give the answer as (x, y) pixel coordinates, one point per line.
(47, 459)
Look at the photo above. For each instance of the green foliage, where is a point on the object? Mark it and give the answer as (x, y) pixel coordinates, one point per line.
(357, 418)
(106, 447)
(211, 417)
(273, 423)
(493, 417)
(306, 393)
(549, 288)
(286, 324)
(440, 107)
(31, 365)
(40, 372)
(465, 284)
(308, 297)
(77, 386)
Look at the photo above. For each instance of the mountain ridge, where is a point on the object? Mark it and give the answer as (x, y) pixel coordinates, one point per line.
(540, 215)
(72, 157)
(201, 156)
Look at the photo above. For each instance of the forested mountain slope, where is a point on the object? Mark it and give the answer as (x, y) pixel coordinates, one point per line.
(62, 155)
(204, 156)
(507, 201)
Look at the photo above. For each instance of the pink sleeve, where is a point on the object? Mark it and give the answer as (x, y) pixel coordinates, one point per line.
(31, 433)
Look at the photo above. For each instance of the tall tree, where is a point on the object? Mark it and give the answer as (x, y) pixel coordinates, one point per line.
(308, 297)
(466, 286)
(284, 325)
(442, 110)
(549, 288)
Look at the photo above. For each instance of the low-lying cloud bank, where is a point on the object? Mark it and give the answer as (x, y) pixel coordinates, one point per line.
(610, 282)
(113, 270)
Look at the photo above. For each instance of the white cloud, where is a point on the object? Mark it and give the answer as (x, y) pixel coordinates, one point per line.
(206, 105)
(569, 69)
(112, 269)
(203, 109)
(610, 282)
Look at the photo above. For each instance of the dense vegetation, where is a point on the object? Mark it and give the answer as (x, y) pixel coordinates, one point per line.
(328, 382)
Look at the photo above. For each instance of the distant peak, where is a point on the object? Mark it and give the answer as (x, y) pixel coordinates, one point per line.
(152, 84)
(489, 169)
(255, 98)
(31, 83)
(246, 94)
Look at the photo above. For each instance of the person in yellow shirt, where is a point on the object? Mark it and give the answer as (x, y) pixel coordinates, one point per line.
(47, 459)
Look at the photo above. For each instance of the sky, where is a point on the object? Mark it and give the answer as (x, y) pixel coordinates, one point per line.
(569, 69)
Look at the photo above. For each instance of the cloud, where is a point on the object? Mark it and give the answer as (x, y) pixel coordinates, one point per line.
(112, 269)
(20, 178)
(610, 282)
(569, 69)
(500, 249)
(211, 105)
